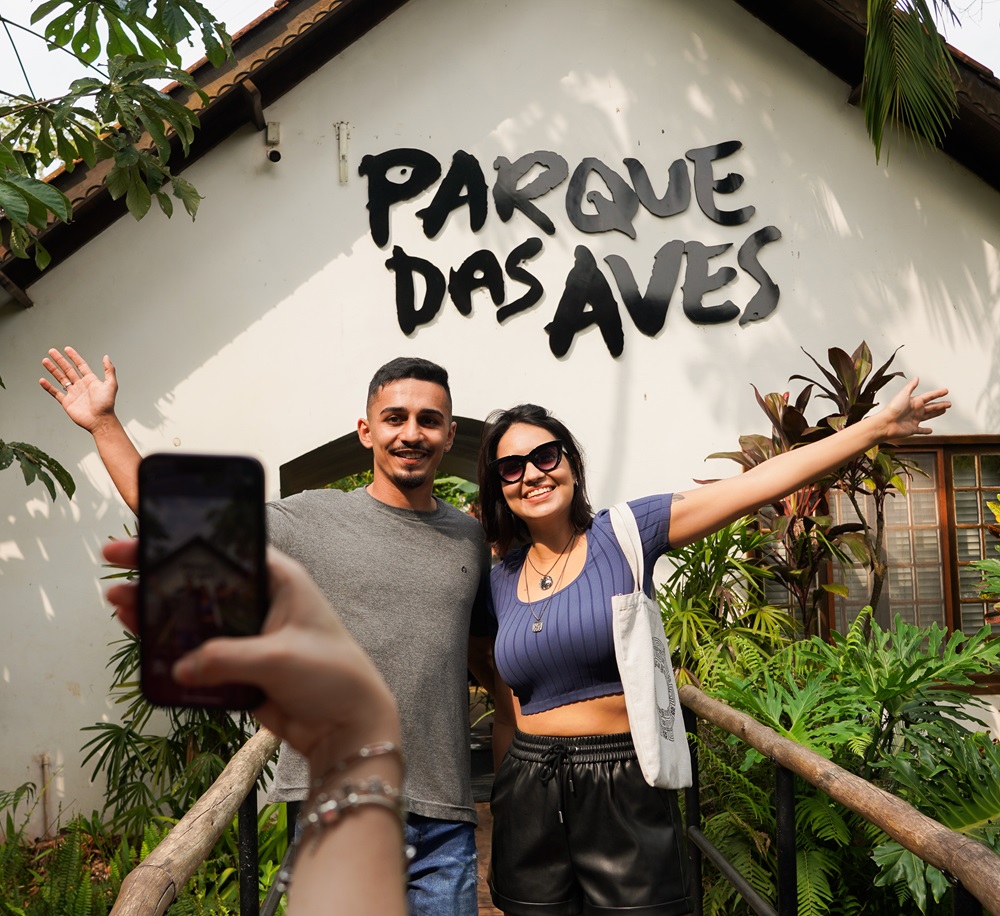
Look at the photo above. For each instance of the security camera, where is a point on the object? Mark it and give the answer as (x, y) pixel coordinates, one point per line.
(273, 155)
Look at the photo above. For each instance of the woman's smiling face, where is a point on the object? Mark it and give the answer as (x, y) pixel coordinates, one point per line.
(538, 495)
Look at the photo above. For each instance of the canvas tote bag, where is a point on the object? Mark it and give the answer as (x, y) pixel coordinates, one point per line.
(654, 712)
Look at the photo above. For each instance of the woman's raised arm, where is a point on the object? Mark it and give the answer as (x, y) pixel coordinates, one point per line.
(698, 513)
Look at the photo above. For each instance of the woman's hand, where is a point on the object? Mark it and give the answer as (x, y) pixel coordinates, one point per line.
(904, 415)
(323, 694)
(326, 699)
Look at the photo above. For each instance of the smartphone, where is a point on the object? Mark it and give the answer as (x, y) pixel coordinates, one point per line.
(202, 572)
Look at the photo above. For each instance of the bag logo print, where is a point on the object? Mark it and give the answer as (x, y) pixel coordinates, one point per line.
(666, 716)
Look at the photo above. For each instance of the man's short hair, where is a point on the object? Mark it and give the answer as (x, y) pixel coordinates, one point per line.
(403, 367)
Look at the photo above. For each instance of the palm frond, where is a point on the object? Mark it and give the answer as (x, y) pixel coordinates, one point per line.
(908, 72)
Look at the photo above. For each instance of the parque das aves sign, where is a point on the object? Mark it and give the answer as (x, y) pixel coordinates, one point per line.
(587, 298)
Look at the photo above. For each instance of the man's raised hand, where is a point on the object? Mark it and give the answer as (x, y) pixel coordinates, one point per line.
(86, 398)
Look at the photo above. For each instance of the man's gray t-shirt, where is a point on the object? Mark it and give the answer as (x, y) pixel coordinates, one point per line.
(408, 586)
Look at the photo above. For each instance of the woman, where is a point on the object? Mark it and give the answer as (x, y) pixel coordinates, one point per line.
(576, 828)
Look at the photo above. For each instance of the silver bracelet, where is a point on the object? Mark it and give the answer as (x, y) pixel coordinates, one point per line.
(328, 810)
(378, 749)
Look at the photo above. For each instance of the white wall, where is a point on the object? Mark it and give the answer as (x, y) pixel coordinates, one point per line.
(256, 328)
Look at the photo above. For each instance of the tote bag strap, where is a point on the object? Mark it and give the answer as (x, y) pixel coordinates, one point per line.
(627, 531)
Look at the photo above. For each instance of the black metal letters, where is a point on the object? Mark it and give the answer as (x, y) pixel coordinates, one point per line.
(598, 200)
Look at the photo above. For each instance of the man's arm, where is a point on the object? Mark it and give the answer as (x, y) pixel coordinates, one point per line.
(483, 670)
(89, 402)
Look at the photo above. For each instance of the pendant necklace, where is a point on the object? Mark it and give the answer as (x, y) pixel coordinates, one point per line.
(545, 582)
(536, 626)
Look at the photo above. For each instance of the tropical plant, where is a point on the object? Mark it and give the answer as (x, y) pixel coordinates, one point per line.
(715, 612)
(156, 763)
(909, 74)
(806, 539)
(461, 493)
(909, 730)
(80, 870)
(852, 385)
(53, 877)
(116, 113)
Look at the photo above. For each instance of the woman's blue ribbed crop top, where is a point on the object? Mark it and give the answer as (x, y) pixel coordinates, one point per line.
(572, 658)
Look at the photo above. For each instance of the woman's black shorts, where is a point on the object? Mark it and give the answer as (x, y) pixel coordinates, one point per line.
(576, 829)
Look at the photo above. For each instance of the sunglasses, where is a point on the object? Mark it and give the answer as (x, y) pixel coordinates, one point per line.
(545, 457)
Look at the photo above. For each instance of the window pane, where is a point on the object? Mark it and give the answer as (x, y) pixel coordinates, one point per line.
(897, 542)
(929, 585)
(896, 511)
(900, 580)
(968, 581)
(924, 507)
(925, 545)
(966, 507)
(963, 468)
(972, 617)
(969, 547)
(927, 463)
(990, 468)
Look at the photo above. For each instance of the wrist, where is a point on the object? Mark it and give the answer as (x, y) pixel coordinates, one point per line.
(878, 428)
(105, 424)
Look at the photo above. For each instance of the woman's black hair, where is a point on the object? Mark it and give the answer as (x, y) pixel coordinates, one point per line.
(503, 528)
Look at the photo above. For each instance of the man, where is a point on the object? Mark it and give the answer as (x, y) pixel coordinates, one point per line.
(406, 572)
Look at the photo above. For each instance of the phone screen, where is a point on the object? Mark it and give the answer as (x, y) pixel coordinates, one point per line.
(201, 568)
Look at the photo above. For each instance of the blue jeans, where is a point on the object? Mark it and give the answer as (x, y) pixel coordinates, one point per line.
(443, 873)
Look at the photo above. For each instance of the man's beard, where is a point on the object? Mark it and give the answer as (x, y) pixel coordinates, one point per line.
(412, 481)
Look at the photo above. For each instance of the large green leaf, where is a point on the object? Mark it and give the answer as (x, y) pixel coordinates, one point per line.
(957, 783)
(36, 465)
(900, 866)
(12, 200)
(155, 28)
(47, 197)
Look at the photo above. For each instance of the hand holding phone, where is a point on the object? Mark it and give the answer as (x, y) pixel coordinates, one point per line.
(202, 574)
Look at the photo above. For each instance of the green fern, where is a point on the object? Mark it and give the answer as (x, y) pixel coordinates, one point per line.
(813, 869)
(818, 816)
(904, 730)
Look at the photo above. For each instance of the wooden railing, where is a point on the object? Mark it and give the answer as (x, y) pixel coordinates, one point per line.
(156, 881)
(970, 862)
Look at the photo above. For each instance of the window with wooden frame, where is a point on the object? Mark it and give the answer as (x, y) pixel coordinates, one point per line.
(933, 533)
